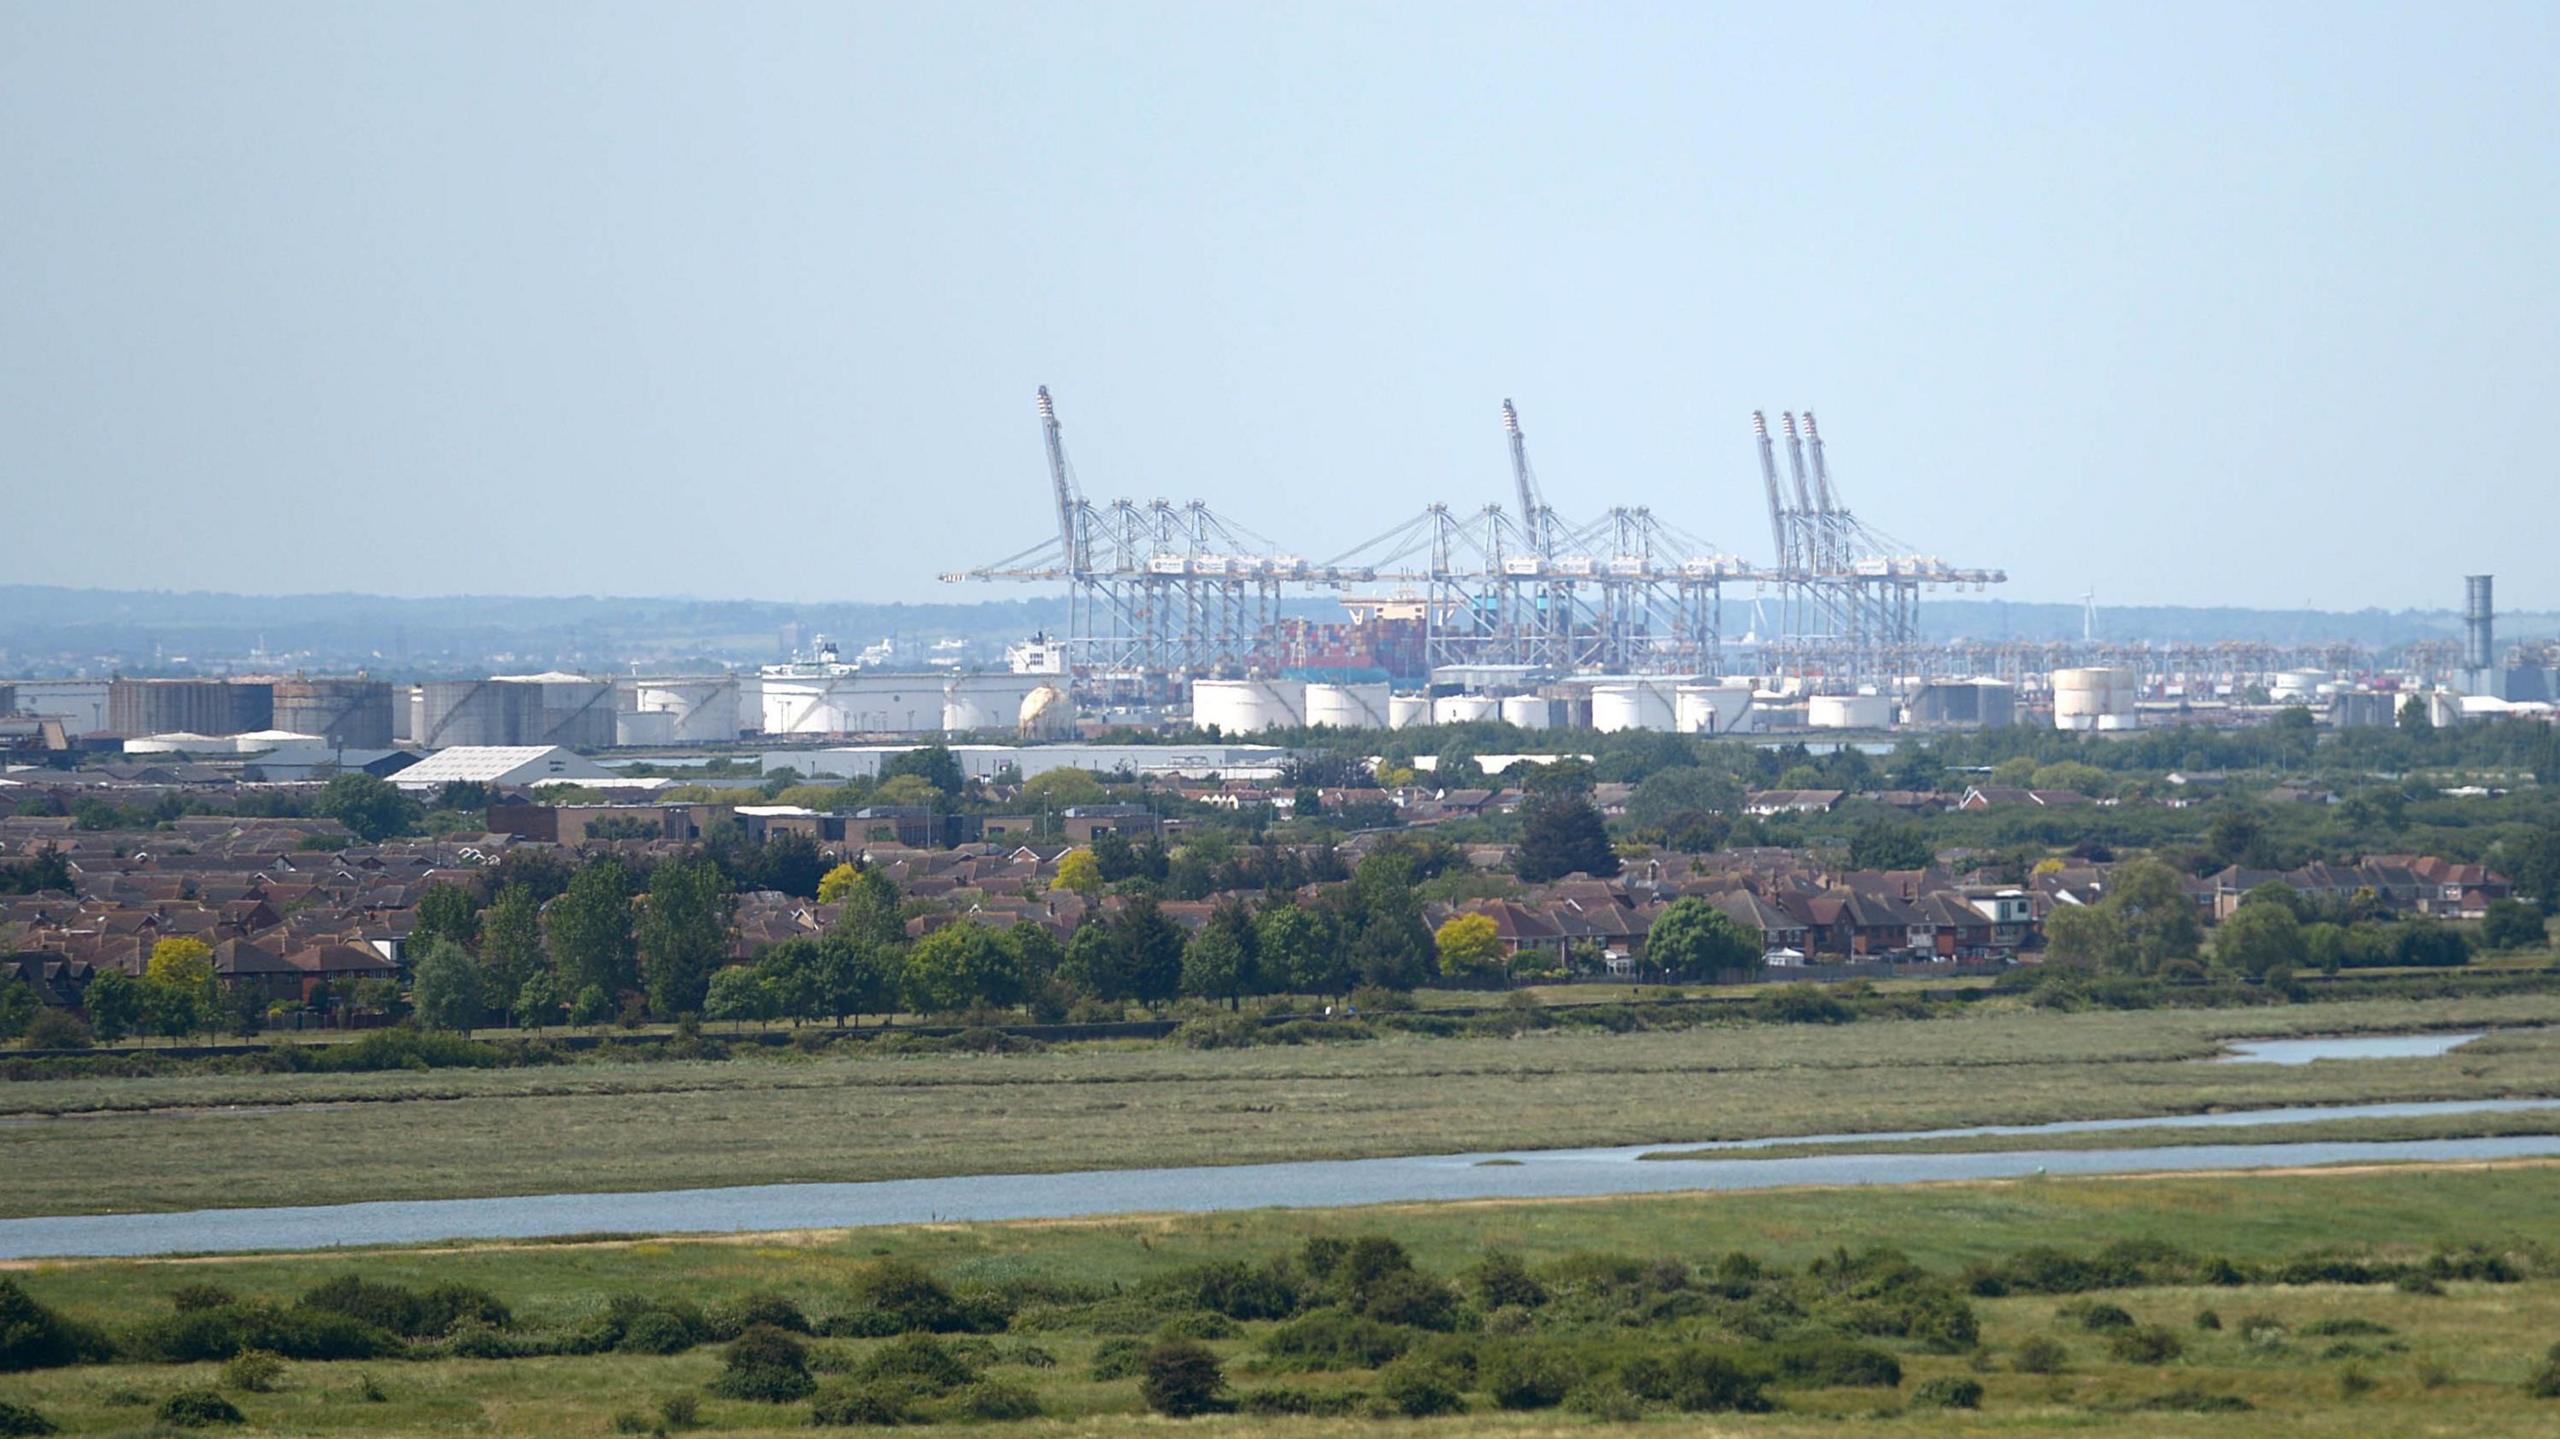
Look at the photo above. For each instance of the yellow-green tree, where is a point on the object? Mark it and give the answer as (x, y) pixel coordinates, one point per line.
(179, 990)
(1078, 870)
(1470, 948)
(837, 883)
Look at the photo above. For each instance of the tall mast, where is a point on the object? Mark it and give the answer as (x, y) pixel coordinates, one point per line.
(1533, 509)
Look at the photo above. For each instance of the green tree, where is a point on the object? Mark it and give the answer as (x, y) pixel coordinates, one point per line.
(960, 966)
(1220, 961)
(789, 863)
(1152, 946)
(935, 764)
(867, 911)
(18, 1006)
(371, 808)
(1669, 796)
(1052, 790)
(1695, 939)
(684, 933)
(836, 883)
(738, 995)
(588, 930)
(1889, 844)
(1036, 952)
(2143, 921)
(2510, 925)
(2259, 940)
(1299, 955)
(1095, 966)
(444, 988)
(2535, 868)
(510, 947)
(1561, 833)
(114, 1002)
(1470, 947)
(444, 912)
(2414, 717)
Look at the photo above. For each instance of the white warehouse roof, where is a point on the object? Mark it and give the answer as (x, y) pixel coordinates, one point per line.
(501, 764)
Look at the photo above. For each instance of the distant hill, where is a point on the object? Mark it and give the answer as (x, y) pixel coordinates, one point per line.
(48, 629)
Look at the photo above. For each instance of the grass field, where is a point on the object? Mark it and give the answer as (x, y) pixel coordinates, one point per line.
(2449, 1363)
(2164, 1136)
(210, 1140)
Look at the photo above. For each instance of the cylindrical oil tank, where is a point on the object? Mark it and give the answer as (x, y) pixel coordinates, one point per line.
(699, 709)
(1238, 707)
(1403, 710)
(1634, 703)
(1712, 709)
(1046, 714)
(1848, 712)
(1464, 709)
(1348, 706)
(869, 702)
(2091, 699)
(576, 711)
(644, 727)
(1528, 711)
(349, 713)
(2297, 685)
(207, 707)
(477, 712)
(985, 702)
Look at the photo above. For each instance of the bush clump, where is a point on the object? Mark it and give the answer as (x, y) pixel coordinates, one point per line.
(919, 1363)
(407, 1313)
(201, 1335)
(1949, 1392)
(1526, 1377)
(1695, 1381)
(765, 1365)
(1331, 1339)
(17, 1419)
(2544, 1382)
(897, 1296)
(252, 1371)
(35, 1337)
(1829, 1364)
(2040, 1355)
(2150, 1344)
(1181, 1378)
(771, 1310)
(196, 1408)
(874, 1402)
(995, 1399)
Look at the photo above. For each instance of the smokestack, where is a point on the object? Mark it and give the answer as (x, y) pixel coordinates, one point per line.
(2479, 645)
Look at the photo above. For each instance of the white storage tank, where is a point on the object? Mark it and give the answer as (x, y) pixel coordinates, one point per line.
(638, 727)
(1404, 710)
(1712, 709)
(985, 702)
(1848, 712)
(2093, 699)
(869, 702)
(1463, 709)
(2297, 685)
(1635, 703)
(698, 709)
(1528, 711)
(1240, 707)
(1348, 706)
(1046, 714)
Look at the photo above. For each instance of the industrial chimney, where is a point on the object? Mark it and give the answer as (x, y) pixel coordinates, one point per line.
(2478, 646)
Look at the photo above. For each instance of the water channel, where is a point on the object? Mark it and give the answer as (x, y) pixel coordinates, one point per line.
(1552, 1173)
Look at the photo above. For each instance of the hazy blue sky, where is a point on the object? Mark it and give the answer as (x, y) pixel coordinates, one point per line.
(2186, 303)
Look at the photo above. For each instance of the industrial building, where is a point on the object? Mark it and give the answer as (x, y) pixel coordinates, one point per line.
(503, 767)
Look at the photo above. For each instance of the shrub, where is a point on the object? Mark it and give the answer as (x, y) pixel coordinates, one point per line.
(1522, 1377)
(632, 1421)
(2354, 1383)
(878, 1402)
(1198, 1324)
(35, 1337)
(2188, 1399)
(2544, 1383)
(1331, 1339)
(1116, 1359)
(2350, 1325)
(655, 1331)
(252, 1372)
(195, 1408)
(2208, 1320)
(896, 1296)
(198, 1335)
(771, 1310)
(679, 1411)
(1500, 1279)
(918, 1362)
(1181, 1378)
(1406, 1297)
(765, 1365)
(188, 1298)
(1827, 1364)
(1417, 1391)
(2150, 1344)
(16, 1419)
(1949, 1392)
(996, 1399)
(396, 1310)
(56, 1029)
(2040, 1355)
(1236, 1290)
(2103, 1318)
(1695, 1380)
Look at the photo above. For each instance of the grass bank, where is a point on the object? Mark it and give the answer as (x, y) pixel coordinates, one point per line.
(2162, 1136)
